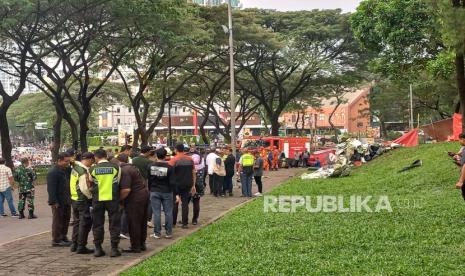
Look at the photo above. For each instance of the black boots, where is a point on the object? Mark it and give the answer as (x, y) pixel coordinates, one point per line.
(31, 215)
(84, 250)
(114, 250)
(73, 247)
(99, 251)
(21, 215)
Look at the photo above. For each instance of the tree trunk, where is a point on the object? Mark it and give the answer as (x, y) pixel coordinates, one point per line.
(5, 135)
(302, 130)
(203, 133)
(83, 129)
(460, 70)
(457, 107)
(330, 120)
(57, 134)
(144, 138)
(275, 125)
(383, 128)
(297, 131)
(135, 138)
(74, 129)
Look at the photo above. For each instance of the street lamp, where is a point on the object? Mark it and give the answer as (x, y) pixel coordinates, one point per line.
(229, 30)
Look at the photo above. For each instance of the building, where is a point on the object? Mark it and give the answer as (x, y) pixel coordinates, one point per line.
(352, 116)
(234, 3)
(182, 121)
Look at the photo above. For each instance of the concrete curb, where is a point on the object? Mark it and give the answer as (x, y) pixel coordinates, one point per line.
(22, 238)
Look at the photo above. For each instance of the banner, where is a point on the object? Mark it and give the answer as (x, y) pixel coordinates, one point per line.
(456, 127)
(409, 139)
(196, 124)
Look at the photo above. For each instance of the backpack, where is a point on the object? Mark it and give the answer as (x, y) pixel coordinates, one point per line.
(182, 173)
(199, 183)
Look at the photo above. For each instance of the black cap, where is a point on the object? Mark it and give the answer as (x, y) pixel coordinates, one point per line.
(71, 151)
(87, 155)
(145, 149)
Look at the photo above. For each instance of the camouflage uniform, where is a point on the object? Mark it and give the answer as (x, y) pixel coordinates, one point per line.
(25, 178)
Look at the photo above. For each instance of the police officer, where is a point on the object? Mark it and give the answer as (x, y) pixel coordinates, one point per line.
(81, 202)
(25, 176)
(105, 197)
(246, 172)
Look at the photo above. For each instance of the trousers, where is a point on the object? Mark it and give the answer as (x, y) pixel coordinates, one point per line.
(114, 217)
(83, 222)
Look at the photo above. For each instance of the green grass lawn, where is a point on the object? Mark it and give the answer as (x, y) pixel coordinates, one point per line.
(424, 239)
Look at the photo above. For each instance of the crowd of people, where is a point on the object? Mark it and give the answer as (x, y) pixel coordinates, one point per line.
(134, 191)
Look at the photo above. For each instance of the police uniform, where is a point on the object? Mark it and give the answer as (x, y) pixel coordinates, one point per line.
(247, 161)
(105, 197)
(25, 178)
(81, 202)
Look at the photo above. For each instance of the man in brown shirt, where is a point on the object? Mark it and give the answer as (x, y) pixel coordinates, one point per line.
(134, 195)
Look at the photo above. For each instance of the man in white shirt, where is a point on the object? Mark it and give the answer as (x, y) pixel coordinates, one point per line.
(210, 162)
(6, 189)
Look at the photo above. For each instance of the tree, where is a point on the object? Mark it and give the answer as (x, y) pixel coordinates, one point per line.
(23, 25)
(160, 64)
(451, 18)
(308, 44)
(409, 49)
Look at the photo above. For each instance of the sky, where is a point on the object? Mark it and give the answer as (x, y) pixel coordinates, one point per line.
(292, 5)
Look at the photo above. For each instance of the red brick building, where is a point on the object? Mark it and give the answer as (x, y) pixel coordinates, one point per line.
(352, 116)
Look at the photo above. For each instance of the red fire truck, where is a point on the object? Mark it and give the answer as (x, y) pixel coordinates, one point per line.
(288, 145)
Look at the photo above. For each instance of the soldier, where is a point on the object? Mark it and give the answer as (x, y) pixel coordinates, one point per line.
(25, 176)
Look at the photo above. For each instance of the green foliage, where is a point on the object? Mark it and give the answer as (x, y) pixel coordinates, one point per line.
(451, 19)
(420, 237)
(402, 33)
(95, 141)
(393, 135)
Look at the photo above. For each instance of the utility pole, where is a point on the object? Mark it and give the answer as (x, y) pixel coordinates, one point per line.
(170, 131)
(231, 69)
(411, 107)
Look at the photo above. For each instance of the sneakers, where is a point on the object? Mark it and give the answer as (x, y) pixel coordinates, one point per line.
(15, 216)
(123, 236)
(258, 194)
(185, 226)
(168, 236)
(4, 215)
(194, 222)
(155, 236)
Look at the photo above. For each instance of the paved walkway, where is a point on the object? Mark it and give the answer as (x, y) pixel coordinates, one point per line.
(34, 255)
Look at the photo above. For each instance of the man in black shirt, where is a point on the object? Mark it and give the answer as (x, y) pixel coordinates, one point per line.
(134, 195)
(60, 200)
(161, 193)
(229, 164)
